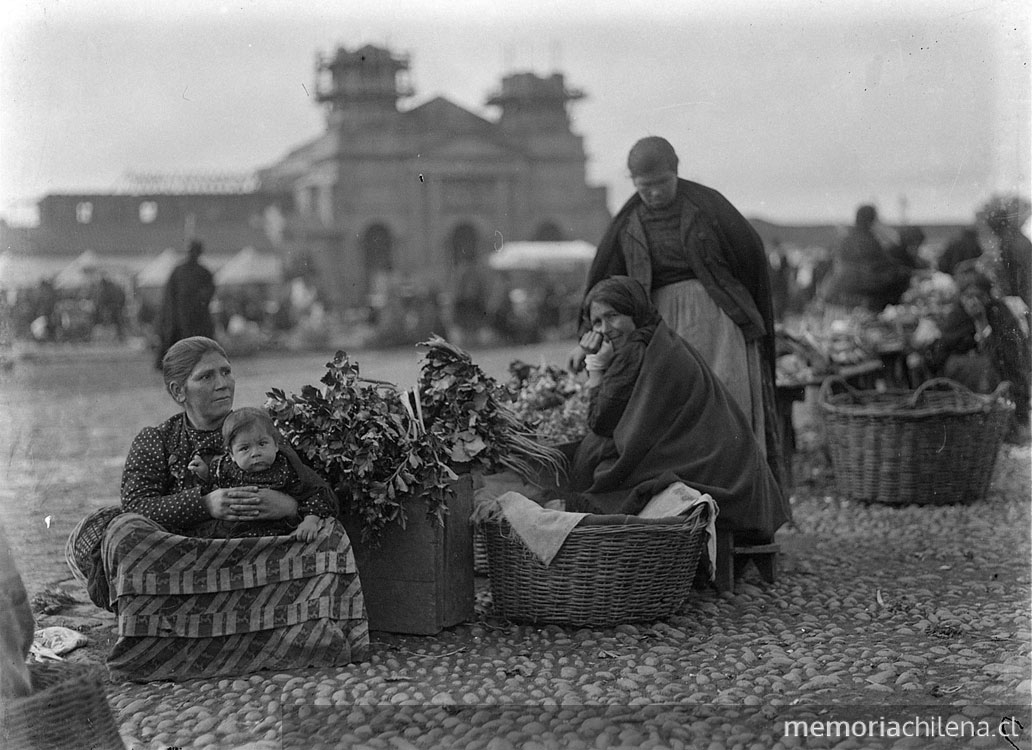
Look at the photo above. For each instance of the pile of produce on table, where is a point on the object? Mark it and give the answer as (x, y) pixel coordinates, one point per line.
(916, 320)
(930, 296)
(823, 340)
(551, 399)
(800, 358)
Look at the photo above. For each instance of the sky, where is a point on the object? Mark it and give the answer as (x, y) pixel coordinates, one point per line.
(796, 110)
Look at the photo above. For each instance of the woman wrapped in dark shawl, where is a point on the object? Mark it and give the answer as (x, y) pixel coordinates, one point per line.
(658, 415)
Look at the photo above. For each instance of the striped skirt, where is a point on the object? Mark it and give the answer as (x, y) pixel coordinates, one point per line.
(188, 607)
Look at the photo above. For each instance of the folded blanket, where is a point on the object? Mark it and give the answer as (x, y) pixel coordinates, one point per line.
(678, 500)
(190, 607)
(543, 530)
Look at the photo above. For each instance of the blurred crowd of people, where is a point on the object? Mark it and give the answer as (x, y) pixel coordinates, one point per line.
(980, 340)
(48, 314)
(110, 307)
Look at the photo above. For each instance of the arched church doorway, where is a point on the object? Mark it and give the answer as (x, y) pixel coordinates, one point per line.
(378, 250)
(464, 245)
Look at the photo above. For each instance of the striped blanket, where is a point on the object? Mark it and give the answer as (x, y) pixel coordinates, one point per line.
(189, 607)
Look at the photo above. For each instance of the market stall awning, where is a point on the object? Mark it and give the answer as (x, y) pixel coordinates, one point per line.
(250, 267)
(80, 273)
(533, 256)
(156, 272)
(26, 271)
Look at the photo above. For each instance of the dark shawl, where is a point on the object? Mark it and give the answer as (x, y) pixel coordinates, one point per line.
(679, 423)
(1015, 273)
(728, 258)
(865, 274)
(723, 248)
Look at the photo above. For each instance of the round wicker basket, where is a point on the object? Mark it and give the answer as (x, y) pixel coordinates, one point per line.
(935, 445)
(602, 575)
(68, 710)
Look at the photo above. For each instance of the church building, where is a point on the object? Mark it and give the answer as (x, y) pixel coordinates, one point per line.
(386, 195)
(420, 193)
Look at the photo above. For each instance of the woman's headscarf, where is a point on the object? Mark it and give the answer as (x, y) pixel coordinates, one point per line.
(627, 296)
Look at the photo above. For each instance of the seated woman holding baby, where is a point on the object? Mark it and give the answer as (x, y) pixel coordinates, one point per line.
(225, 556)
(658, 415)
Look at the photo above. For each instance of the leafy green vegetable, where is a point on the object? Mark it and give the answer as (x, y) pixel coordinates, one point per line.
(466, 409)
(379, 446)
(364, 439)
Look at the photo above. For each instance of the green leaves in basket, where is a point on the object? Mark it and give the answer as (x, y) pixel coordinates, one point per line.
(364, 437)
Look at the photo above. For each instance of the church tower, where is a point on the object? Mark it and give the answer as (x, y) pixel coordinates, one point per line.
(363, 87)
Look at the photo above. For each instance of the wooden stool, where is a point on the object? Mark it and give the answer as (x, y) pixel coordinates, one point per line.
(732, 561)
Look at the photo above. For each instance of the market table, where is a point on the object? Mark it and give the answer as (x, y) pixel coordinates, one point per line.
(863, 375)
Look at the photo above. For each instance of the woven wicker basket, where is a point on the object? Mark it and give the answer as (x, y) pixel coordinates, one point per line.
(602, 575)
(68, 710)
(935, 445)
(547, 480)
(85, 540)
(480, 565)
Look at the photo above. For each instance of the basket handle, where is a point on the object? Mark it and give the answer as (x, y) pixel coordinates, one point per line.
(830, 382)
(959, 389)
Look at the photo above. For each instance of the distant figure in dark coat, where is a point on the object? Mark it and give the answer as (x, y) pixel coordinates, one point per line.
(184, 309)
(1014, 267)
(964, 246)
(905, 252)
(864, 273)
(109, 305)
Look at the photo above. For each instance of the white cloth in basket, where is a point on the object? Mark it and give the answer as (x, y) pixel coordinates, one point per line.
(543, 530)
(677, 500)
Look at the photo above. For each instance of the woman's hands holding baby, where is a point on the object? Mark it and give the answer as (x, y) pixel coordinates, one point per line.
(249, 504)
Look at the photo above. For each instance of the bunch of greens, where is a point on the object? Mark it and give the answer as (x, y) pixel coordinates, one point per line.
(551, 399)
(366, 438)
(466, 409)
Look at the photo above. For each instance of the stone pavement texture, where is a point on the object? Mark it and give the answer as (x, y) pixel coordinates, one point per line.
(879, 615)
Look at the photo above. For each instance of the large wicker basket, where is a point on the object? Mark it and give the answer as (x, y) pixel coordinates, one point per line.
(935, 445)
(68, 710)
(602, 575)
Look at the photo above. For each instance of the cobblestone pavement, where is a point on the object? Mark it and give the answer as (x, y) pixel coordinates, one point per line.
(883, 621)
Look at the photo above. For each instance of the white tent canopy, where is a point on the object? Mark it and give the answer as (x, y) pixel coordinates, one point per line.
(156, 272)
(79, 273)
(250, 267)
(571, 255)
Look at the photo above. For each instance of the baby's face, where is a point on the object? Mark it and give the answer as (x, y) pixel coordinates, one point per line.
(253, 450)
